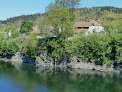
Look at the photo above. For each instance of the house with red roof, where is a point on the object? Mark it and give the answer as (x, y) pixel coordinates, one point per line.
(36, 30)
(88, 26)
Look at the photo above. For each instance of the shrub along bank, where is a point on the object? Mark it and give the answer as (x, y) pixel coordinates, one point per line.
(99, 48)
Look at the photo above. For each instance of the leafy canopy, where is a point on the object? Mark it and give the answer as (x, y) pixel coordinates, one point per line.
(29, 46)
(59, 15)
(26, 27)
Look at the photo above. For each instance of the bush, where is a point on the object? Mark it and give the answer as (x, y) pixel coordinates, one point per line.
(100, 48)
(26, 27)
(119, 27)
(29, 46)
(7, 46)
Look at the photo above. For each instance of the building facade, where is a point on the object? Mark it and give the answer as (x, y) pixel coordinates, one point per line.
(88, 27)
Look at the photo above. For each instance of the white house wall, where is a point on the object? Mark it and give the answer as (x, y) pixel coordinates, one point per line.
(96, 28)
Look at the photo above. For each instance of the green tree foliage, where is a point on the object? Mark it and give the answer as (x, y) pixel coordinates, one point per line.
(7, 46)
(60, 17)
(96, 48)
(58, 50)
(0, 24)
(109, 28)
(11, 29)
(60, 20)
(29, 46)
(119, 27)
(9, 26)
(67, 3)
(44, 25)
(26, 27)
(100, 47)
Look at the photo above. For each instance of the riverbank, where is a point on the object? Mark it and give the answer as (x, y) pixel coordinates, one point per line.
(62, 64)
(79, 65)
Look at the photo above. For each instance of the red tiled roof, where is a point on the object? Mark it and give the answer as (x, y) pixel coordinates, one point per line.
(83, 24)
(36, 30)
(86, 24)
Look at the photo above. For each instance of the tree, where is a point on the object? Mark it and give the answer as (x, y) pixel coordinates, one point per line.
(7, 46)
(61, 16)
(109, 28)
(0, 25)
(67, 3)
(60, 20)
(44, 24)
(26, 27)
(11, 30)
(61, 49)
(119, 27)
(29, 46)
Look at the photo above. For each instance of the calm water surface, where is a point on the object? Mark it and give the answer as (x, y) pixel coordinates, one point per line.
(27, 78)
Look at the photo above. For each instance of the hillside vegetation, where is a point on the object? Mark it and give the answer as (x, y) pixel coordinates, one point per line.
(19, 19)
(105, 15)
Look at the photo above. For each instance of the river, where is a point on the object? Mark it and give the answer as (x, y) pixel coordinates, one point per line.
(28, 78)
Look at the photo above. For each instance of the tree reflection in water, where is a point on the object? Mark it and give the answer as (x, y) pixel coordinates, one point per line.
(45, 79)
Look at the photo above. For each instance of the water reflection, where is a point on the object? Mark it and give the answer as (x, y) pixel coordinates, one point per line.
(27, 78)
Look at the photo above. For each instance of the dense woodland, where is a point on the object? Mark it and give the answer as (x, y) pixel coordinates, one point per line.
(100, 48)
